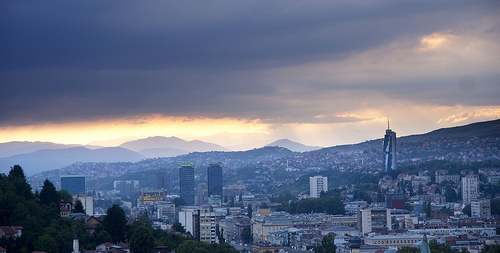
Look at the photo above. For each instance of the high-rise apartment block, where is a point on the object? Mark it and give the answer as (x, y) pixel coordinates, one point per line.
(389, 149)
(480, 208)
(214, 172)
(317, 184)
(470, 188)
(374, 219)
(200, 223)
(186, 183)
(74, 184)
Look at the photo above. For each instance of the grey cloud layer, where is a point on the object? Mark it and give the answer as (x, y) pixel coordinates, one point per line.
(85, 60)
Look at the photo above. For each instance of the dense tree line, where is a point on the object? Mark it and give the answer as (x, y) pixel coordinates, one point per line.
(45, 230)
(328, 202)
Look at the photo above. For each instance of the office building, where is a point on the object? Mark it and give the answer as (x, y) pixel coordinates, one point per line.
(374, 219)
(317, 184)
(147, 197)
(470, 188)
(480, 208)
(161, 181)
(214, 172)
(395, 200)
(201, 194)
(389, 149)
(74, 184)
(126, 188)
(186, 183)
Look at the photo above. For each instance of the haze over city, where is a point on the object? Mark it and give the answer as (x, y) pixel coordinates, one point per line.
(234, 73)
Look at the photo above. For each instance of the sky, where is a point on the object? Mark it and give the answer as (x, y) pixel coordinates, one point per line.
(245, 73)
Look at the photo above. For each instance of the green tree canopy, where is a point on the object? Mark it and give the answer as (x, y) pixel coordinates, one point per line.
(327, 245)
(115, 223)
(78, 207)
(142, 240)
(48, 194)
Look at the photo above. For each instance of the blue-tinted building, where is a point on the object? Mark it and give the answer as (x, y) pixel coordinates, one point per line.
(74, 184)
(214, 179)
(186, 183)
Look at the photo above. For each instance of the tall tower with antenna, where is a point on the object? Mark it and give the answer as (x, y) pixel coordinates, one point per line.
(389, 149)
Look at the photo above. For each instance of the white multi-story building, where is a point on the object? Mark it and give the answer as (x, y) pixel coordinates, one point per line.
(470, 188)
(480, 208)
(317, 184)
(87, 202)
(200, 223)
(374, 219)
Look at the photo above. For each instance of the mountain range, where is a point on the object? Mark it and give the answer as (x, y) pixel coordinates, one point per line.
(36, 157)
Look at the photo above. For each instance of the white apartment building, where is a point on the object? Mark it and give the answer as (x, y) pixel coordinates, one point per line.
(470, 188)
(317, 184)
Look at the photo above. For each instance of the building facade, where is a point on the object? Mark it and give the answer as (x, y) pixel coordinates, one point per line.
(126, 188)
(374, 219)
(470, 188)
(480, 208)
(389, 149)
(317, 184)
(74, 184)
(147, 197)
(161, 181)
(214, 173)
(186, 183)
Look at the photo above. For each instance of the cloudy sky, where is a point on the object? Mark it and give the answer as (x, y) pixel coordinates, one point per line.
(245, 72)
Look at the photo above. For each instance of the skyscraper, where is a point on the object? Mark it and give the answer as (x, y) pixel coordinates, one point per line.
(389, 149)
(470, 188)
(74, 184)
(214, 172)
(186, 182)
(317, 184)
(161, 181)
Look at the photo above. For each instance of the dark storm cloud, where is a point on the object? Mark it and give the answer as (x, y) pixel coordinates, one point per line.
(73, 60)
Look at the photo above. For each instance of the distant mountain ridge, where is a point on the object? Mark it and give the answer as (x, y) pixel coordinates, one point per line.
(159, 144)
(50, 159)
(292, 145)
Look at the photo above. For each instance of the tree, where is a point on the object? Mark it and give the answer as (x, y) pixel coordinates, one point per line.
(408, 249)
(327, 245)
(495, 206)
(428, 209)
(467, 210)
(115, 223)
(221, 236)
(46, 243)
(16, 172)
(249, 213)
(178, 227)
(78, 207)
(179, 202)
(246, 234)
(142, 240)
(493, 248)
(64, 195)
(48, 194)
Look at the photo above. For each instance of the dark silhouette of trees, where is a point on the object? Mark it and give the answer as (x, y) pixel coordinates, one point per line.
(78, 207)
(48, 194)
(115, 223)
(327, 245)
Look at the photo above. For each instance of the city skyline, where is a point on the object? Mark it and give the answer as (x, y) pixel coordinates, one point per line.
(322, 74)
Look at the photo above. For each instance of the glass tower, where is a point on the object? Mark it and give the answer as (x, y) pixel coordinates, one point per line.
(214, 179)
(74, 184)
(186, 182)
(389, 149)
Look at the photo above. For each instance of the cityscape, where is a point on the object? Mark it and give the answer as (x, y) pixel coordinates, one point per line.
(283, 126)
(287, 202)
